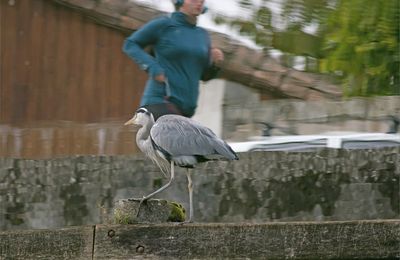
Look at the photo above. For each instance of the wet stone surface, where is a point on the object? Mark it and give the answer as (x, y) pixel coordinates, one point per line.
(260, 187)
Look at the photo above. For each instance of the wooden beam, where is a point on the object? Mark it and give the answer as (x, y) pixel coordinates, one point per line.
(368, 239)
(66, 243)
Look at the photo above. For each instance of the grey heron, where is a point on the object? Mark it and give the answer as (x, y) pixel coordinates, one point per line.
(177, 140)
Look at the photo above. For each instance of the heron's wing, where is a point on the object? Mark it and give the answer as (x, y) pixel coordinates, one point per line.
(178, 135)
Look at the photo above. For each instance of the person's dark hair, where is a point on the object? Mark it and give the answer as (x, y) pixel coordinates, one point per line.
(177, 4)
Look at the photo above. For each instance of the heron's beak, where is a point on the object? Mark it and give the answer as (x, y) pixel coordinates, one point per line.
(132, 121)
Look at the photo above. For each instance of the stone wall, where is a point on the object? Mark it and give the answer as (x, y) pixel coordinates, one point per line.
(328, 185)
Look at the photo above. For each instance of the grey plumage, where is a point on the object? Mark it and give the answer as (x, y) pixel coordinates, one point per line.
(177, 140)
(181, 136)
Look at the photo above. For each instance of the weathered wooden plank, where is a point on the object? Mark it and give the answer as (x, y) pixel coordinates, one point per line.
(67, 243)
(21, 88)
(115, 91)
(8, 18)
(102, 71)
(133, 83)
(301, 240)
(62, 143)
(63, 68)
(62, 64)
(87, 104)
(79, 140)
(30, 142)
(36, 58)
(48, 98)
(75, 71)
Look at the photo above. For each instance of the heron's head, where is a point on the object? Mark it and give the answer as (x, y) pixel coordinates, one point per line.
(142, 117)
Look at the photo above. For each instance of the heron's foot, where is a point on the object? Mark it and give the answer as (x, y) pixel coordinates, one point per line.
(190, 218)
(144, 199)
(188, 221)
(184, 222)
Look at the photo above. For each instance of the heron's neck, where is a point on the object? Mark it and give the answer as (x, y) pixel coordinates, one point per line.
(143, 136)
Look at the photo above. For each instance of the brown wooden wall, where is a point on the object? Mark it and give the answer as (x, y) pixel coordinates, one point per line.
(59, 139)
(57, 64)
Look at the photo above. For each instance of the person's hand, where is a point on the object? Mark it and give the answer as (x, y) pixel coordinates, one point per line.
(217, 56)
(160, 78)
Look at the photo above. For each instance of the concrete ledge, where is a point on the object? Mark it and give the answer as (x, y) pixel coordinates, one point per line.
(66, 243)
(297, 240)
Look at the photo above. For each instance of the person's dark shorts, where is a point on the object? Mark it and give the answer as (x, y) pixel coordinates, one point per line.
(163, 109)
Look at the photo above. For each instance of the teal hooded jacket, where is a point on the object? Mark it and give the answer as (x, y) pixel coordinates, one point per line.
(181, 51)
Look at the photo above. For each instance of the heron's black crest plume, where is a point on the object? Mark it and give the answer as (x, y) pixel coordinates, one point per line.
(143, 110)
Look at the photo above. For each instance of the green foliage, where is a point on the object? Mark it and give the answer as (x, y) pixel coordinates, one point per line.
(300, 13)
(356, 40)
(362, 45)
(258, 27)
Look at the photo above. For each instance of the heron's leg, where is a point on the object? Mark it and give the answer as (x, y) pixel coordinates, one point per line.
(159, 190)
(163, 187)
(190, 188)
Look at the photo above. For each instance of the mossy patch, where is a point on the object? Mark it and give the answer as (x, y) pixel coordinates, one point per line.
(151, 211)
(121, 217)
(178, 212)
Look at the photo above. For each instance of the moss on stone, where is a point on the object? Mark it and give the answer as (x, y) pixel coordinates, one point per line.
(153, 211)
(178, 212)
(122, 218)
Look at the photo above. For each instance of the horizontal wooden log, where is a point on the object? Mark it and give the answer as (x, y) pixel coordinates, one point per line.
(67, 243)
(372, 239)
(301, 240)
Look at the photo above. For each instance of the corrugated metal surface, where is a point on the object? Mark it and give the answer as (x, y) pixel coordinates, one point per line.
(59, 65)
(47, 140)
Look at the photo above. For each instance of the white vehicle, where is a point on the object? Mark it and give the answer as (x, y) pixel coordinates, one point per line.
(345, 140)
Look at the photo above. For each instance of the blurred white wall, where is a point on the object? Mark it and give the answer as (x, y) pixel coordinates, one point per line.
(209, 109)
(233, 111)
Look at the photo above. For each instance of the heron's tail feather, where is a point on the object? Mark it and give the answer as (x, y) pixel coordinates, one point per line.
(225, 150)
(162, 164)
(165, 174)
(164, 167)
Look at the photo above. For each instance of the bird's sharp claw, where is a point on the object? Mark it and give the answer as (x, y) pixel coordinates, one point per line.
(140, 204)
